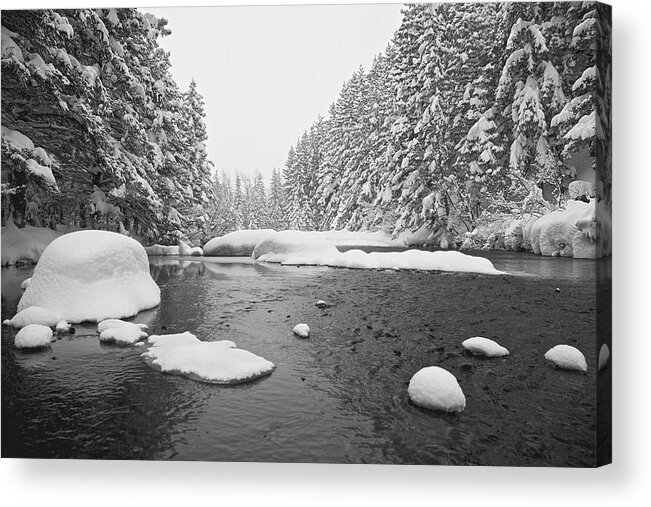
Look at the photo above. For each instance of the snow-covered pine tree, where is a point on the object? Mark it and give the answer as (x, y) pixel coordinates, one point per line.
(276, 201)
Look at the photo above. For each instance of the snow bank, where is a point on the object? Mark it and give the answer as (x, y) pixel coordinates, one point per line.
(577, 231)
(155, 250)
(237, 243)
(567, 357)
(215, 362)
(33, 336)
(34, 315)
(301, 330)
(26, 244)
(437, 389)
(480, 346)
(92, 275)
(604, 355)
(300, 248)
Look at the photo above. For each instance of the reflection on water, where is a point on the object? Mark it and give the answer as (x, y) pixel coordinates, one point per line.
(83, 399)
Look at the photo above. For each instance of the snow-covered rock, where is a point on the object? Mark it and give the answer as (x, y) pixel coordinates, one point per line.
(113, 323)
(34, 315)
(481, 346)
(300, 248)
(156, 250)
(217, 362)
(33, 336)
(301, 330)
(189, 251)
(63, 326)
(437, 389)
(125, 334)
(567, 357)
(24, 245)
(237, 243)
(25, 283)
(92, 275)
(321, 304)
(604, 355)
(576, 231)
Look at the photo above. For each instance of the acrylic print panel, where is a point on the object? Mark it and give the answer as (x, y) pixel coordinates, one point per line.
(213, 250)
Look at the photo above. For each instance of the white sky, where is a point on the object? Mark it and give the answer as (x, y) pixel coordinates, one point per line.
(266, 72)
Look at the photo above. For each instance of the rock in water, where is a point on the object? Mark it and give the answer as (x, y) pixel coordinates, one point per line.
(480, 346)
(112, 323)
(301, 330)
(33, 336)
(92, 275)
(436, 389)
(321, 304)
(604, 355)
(126, 334)
(567, 357)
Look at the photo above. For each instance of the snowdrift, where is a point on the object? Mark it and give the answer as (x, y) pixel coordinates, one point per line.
(302, 248)
(236, 244)
(26, 244)
(91, 276)
(577, 231)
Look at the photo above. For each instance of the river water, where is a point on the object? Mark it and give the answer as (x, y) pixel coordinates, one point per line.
(339, 397)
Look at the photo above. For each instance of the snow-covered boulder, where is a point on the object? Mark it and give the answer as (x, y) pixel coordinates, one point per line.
(216, 362)
(33, 336)
(437, 389)
(24, 244)
(237, 243)
(25, 283)
(63, 326)
(480, 346)
(113, 323)
(604, 355)
(92, 275)
(126, 334)
(156, 250)
(567, 357)
(576, 231)
(33, 315)
(301, 330)
(321, 304)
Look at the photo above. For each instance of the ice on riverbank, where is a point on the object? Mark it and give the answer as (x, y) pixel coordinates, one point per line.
(567, 357)
(480, 346)
(436, 389)
(91, 276)
(216, 362)
(24, 244)
(299, 248)
(33, 336)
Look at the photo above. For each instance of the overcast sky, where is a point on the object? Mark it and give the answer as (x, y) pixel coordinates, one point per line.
(266, 72)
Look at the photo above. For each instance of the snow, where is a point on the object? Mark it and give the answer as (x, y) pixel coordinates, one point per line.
(215, 362)
(480, 346)
(115, 323)
(604, 355)
(125, 334)
(155, 250)
(237, 243)
(301, 330)
(576, 231)
(33, 336)
(63, 326)
(321, 304)
(41, 171)
(92, 275)
(189, 251)
(436, 389)
(567, 357)
(584, 128)
(33, 315)
(25, 283)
